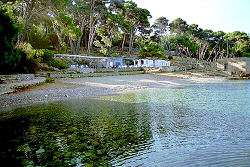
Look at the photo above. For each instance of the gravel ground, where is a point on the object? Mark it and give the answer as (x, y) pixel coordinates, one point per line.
(10, 87)
(67, 89)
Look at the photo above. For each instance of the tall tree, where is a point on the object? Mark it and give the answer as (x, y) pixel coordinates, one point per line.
(178, 26)
(97, 12)
(138, 18)
(161, 28)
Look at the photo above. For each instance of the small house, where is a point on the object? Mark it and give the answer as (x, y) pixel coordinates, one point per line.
(158, 63)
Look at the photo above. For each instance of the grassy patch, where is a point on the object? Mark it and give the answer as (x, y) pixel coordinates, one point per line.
(49, 80)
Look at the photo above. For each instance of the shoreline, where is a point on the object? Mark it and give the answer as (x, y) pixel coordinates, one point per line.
(84, 88)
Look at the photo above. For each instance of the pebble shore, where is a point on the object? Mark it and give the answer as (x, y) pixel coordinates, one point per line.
(68, 89)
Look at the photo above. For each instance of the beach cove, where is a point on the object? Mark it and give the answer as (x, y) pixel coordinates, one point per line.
(180, 119)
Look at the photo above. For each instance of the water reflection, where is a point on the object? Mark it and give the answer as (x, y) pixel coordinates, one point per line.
(198, 125)
(73, 133)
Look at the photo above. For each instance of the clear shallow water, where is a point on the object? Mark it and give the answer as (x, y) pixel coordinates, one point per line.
(198, 125)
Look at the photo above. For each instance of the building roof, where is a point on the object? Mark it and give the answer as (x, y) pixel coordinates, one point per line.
(96, 57)
(79, 56)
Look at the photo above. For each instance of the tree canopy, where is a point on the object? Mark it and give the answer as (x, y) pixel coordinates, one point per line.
(110, 28)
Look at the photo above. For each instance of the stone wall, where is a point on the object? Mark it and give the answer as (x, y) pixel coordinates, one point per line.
(230, 66)
(235, 66)
(58, 75)
(17, 77)
(92, 70)
(171, 68)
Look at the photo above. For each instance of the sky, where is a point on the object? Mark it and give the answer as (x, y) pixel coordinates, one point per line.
(217, 15)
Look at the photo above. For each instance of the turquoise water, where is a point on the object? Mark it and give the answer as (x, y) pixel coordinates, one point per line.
(197, 125)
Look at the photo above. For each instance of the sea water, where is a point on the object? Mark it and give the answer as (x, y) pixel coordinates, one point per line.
(194, 125)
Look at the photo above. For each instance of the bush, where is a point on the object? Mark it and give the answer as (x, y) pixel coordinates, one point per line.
(58, 64)
(170, 57)
(8, 32)
(246, 54)
(49, 80)
(12, 60)
(27, 48)
(238, 53)
(8, 36)
(18, 62)
(47, 56)
(114, 54)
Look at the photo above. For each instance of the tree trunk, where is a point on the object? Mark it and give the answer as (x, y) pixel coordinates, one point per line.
(28, 15)
(91, 27)
(21, 37)
(211, 52)
(166, 44)
(59, 36)
(227, 49)
(109, 47)
(131, 41)
(73, 48)
(78, 45)
(161, 34)
(85, 40)
(123, 43)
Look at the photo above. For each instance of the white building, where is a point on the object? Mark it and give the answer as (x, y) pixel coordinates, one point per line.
(161, 63)
(147, 63)
(117, 62)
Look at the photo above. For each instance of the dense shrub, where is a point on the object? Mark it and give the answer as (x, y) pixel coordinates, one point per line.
(238, 53)
(246, 54)
(8, 32)
(18, 62)
(12, 60)
(26, 48)
(47, 56)
(8, 36)
(58, 64)
(170, 57)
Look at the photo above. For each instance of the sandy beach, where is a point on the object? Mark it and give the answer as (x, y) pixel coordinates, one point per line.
(68, 89)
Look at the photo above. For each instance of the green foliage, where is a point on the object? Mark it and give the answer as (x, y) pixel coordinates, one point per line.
(115, 24)
(178, 26)
(49, 80)
(65, 22)
(47, 56)
(8, 32)
(58, 64)
(114, 54)
(170, 57)
(184, 43)
(18, 62)
(161, 28)
(38, 38)
(240, 43)
(38, 54)
(104, 43)
(27, 48)
(151, 50)
(246, 54)
(12, 60)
